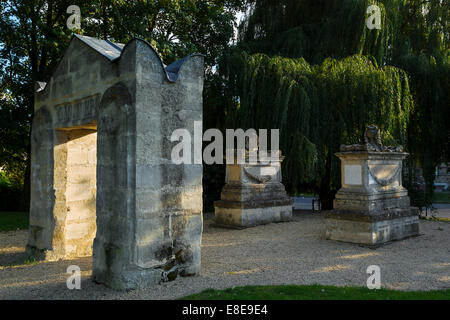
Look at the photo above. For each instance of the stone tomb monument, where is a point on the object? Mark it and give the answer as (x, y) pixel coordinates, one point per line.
(102, 178)
(253, 194)
(372, 207)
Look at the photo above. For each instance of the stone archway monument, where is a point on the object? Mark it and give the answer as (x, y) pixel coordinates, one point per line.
(102, 179)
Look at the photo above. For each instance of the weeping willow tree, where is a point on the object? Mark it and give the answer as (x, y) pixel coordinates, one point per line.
(314, 70)
(428, 132)
(317, 108)
(423, 51)
(315, 29)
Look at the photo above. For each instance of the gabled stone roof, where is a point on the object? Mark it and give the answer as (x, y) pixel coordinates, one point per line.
(113, 51)
(106, 48)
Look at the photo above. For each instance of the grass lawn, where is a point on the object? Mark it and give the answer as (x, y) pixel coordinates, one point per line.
(440, 219)
(442, 197)
(315, 292)
(13, 220)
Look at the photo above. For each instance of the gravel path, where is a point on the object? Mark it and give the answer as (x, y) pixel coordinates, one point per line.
(284, 253)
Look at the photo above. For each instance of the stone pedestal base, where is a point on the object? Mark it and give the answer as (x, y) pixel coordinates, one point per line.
(243, 215)
(372, 229)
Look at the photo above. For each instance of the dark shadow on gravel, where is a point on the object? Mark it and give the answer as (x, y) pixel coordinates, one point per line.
(12, 259)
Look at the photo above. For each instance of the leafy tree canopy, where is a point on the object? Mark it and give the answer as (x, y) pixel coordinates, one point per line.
(314, 70)
(34, 34)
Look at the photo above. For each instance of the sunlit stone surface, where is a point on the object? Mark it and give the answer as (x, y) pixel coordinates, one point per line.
(253, 195)
(101, 163)
(372, 207)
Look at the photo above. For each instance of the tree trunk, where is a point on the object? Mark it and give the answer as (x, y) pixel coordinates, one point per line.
(326, 195)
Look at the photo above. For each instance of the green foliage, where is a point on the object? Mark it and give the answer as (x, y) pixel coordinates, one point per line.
(315, 292)
(34, 34)
(442, 197)
(317, 108)
(176, 28)
(422, 50)
(10, 221)
(314, 29)
(314, 70)
(429, 134)
(313, 97)
(11, 182)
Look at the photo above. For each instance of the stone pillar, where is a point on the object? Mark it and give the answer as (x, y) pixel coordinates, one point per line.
(372, 207)
(149, 210)
(253, 195)
(42, 222)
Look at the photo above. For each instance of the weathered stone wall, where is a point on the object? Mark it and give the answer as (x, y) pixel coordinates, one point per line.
(167, 215)
(116, 192)
(80, 224)
(360, 188)
(69, 101)
(148, 210)
(253, 195)
(42, 221)
(372, 207)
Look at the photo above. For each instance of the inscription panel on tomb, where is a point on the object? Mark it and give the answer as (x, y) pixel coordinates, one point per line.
(77, 112)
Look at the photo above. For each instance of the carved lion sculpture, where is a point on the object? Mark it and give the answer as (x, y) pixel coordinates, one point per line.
(372, 143)
(373, 138)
